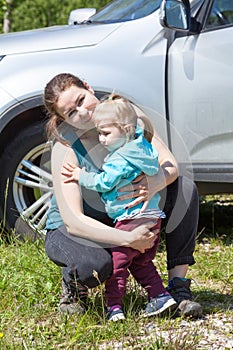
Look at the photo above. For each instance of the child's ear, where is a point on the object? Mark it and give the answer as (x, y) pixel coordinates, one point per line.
(127, 128)
(129, 131)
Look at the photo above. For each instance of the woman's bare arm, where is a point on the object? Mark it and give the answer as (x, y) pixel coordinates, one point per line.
(168, 165)
(69, 200)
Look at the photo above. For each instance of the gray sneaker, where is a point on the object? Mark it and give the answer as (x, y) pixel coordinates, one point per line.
(73, 299)
(159, 305)
(179, 288)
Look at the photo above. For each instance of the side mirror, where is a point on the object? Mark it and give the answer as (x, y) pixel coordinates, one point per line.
(175, 14)
(80, 15)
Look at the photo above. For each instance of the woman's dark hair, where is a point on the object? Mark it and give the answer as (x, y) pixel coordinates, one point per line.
(52, 91)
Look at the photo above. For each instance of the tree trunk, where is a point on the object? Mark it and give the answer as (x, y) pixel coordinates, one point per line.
(6, 23)
(7, 16)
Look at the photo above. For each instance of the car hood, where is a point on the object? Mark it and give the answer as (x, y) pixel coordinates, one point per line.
(53, 38)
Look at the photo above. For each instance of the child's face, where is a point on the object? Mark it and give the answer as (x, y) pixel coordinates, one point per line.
(111, 137)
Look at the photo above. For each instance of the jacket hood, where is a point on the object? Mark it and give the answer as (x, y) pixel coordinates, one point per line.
(140, 153)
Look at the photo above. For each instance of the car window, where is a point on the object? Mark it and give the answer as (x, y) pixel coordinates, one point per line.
(125, 10)
(221, 14)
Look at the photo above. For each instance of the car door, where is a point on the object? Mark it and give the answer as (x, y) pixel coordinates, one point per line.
(200, 95)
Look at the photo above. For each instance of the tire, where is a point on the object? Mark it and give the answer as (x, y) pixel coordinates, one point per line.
(26, 182)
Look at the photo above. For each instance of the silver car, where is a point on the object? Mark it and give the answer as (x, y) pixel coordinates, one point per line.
(172, 58)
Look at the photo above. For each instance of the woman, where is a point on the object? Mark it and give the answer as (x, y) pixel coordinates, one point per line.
(80, 218)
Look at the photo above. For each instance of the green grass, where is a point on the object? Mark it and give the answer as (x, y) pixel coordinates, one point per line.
(30, 291)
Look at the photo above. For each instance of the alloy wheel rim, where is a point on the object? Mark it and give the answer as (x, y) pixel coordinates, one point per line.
(33, 187)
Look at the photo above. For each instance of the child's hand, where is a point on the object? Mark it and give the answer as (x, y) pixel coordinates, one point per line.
(71, 172)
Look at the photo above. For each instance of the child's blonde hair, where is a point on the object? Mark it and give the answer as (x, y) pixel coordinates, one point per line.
(117, 110)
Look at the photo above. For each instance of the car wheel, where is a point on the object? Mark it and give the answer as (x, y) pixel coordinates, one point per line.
(26, 181)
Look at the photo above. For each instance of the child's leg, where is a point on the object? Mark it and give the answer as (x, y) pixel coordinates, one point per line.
(115, 286)
(144, 270)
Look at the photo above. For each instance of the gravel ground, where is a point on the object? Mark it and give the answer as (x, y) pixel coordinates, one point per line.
(212, 332)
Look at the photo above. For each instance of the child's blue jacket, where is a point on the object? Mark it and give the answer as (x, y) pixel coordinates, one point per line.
(120, 168)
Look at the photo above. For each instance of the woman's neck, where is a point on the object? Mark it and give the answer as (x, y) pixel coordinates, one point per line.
(88, 134)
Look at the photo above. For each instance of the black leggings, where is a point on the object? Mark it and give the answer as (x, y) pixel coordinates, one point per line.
(79, 258)
(182, 212)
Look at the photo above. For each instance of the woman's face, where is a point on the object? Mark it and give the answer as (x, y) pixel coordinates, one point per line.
(76, 106)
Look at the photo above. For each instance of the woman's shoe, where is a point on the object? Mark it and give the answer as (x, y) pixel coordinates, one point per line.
(73, 299)
(179, 288)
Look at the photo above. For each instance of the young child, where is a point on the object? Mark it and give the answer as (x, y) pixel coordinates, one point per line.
(130, 154)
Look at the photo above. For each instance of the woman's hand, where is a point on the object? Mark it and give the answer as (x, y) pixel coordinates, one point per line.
(142, 189)
(143, 238)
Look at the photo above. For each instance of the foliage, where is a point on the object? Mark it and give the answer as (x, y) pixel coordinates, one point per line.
(30, 14)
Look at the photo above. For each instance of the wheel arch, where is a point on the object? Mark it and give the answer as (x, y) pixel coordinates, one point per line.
(19, 117)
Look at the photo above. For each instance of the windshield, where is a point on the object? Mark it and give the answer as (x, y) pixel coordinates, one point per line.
(125, 10)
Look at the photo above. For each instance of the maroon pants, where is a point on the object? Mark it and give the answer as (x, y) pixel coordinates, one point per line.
(139, 264)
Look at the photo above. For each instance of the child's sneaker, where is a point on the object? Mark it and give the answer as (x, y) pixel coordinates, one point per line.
(115, 315)
(159, 305)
